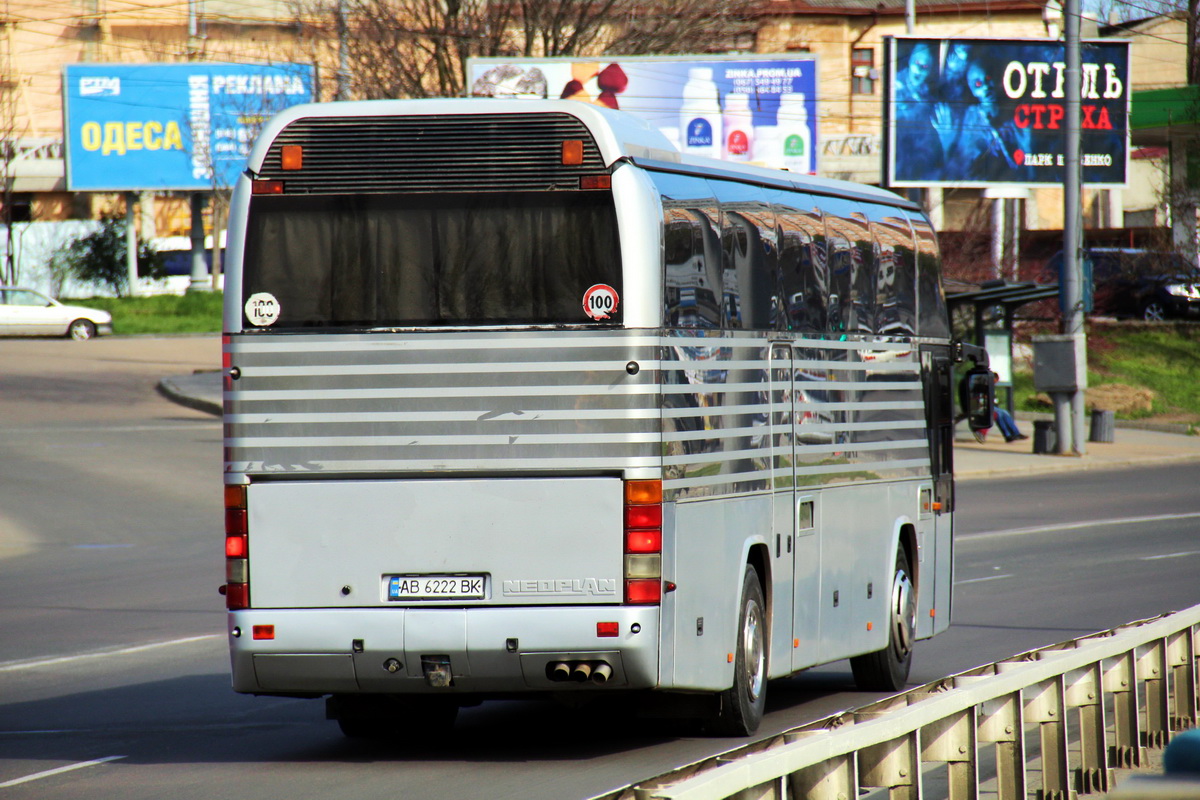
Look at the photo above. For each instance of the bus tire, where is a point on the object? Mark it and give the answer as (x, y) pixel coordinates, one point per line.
(887, 670)
(742, 705)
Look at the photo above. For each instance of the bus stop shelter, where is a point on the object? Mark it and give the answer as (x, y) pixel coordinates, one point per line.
(992, 307)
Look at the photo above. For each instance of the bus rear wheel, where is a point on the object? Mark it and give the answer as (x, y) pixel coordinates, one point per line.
(887, 670)
(743, 704)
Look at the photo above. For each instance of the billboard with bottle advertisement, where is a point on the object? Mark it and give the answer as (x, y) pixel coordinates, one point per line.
(140, 127)
(759, 110)
(980, 112)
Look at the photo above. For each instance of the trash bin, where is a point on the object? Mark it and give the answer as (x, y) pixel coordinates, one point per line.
(1103, 426)
(1045, 440)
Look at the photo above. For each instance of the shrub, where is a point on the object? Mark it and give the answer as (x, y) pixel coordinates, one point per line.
(99, 257)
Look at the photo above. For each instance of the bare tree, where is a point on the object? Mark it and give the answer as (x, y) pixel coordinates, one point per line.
(419, 48)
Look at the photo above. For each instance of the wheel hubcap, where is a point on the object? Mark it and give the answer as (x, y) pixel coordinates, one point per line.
(904, 614)
(755, 654)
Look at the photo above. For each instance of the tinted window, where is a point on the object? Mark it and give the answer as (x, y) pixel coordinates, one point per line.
(803, 264)
(896, 278)
(692, 251)
(457, 259)
(750, 252)
(932, 319)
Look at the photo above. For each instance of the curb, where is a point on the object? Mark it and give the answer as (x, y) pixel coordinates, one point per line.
(170, 389)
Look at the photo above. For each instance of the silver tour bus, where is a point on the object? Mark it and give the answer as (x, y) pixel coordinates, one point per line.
(521, 400)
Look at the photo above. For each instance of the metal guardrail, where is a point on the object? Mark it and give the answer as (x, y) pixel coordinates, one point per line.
(1062, 717)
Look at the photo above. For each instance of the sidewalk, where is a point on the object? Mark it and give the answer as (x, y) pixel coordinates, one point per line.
(1132, 446)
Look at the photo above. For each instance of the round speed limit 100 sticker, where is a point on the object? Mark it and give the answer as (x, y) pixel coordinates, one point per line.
(600, 301)
(262, 309)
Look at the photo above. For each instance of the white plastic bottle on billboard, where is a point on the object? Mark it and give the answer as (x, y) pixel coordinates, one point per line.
(768, 147)
(793, 126)
(738, 127)
(700, 115)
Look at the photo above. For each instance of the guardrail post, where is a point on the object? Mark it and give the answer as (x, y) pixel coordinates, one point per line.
(1119, 681)
(1083, 693)
(1152, 670)
(1045, 704)
(1001, 721)
(893, 765)
(952, 740)
(1181, 656)
(835, 778)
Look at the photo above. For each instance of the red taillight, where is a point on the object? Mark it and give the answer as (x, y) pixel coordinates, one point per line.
(608, 629)
(266, 187)
(649, 541)
(643, 516)
(263, 631)
(643, 542)
(237, 549)
(643, 591)
(595, 182)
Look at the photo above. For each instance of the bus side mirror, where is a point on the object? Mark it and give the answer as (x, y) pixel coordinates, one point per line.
(978, 393)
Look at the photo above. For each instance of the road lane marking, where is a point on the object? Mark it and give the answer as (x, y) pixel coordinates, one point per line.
(1074, 526)
(1171, 555)
(981, 580)
(36, 663)
(59, 770)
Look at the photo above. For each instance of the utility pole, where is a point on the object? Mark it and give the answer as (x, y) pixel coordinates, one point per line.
(1069, 407)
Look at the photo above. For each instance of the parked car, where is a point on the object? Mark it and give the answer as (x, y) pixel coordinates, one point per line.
(26, 312)
(1143, 284)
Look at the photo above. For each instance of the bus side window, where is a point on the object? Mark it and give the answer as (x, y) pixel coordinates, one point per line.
(691, 254)
(932, 317)
(896, 283)
(803, 266)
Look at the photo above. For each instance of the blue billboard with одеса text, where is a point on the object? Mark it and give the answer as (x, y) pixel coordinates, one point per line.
(142, 127)
(981, 112)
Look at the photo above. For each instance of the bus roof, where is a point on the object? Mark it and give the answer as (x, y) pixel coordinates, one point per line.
(618, 135)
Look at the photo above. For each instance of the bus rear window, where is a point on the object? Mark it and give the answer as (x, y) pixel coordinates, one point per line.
(431, 260)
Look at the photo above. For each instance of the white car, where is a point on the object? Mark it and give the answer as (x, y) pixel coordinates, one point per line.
(25, 312)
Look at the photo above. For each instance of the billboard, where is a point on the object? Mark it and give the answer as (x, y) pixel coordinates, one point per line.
(184, 126)
(980, 112)
(750, 109)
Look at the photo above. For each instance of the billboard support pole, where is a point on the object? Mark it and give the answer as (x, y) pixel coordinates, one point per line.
(131, 243)
(1071, 438)
(199, 280)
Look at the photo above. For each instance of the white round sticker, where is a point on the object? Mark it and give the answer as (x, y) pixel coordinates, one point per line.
(600, 301)
(262, 309)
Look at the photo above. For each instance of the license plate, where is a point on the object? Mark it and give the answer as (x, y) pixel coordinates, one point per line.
(435, 587)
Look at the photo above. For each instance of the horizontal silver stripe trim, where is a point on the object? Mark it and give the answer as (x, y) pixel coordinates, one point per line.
(524, 415)
(430, 340)
(437, 368)
(728, 456)
(425, 440)
(462, 464)
(896, 405)
(889, 466)
(452, 391)
(768, 475)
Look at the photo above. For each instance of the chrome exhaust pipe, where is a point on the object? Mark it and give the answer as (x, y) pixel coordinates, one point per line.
(601, 672)
(558, 671)
(581, 672)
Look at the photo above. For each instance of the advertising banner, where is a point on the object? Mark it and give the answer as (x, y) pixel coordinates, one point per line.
(980, 112)
(757, 110)
(190, 126)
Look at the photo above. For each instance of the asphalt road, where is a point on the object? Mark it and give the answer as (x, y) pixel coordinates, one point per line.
(113, 675)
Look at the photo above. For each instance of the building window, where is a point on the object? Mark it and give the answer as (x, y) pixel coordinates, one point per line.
(862, 70)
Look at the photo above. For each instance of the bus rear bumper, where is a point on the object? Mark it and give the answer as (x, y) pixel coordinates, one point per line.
(404, 650)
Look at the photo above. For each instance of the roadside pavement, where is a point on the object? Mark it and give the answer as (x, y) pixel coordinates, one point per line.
(1133, 445)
